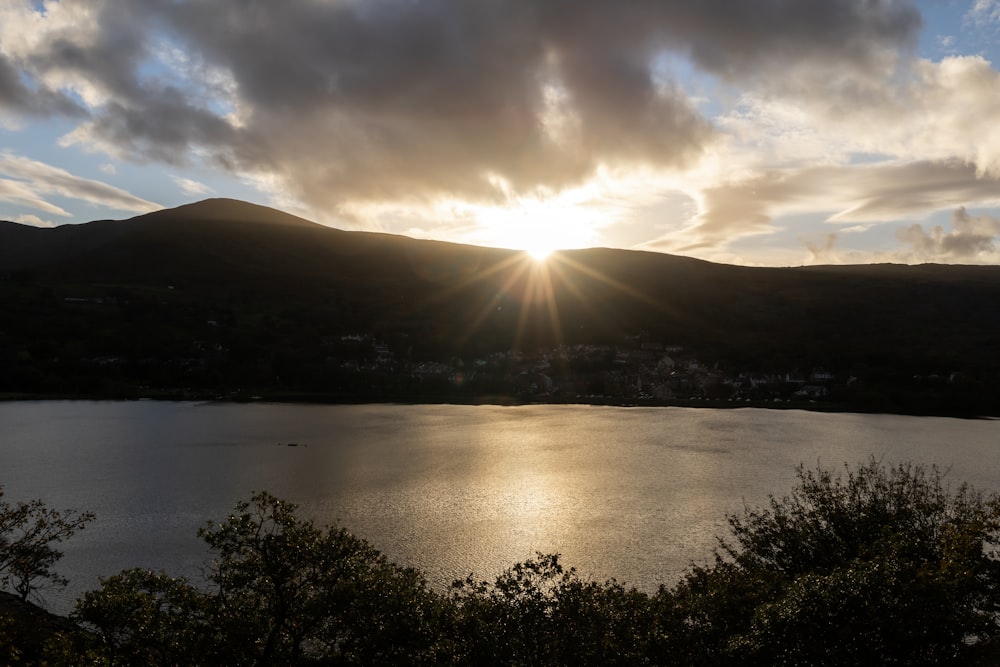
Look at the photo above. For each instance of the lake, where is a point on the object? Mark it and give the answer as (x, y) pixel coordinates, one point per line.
(631, 493)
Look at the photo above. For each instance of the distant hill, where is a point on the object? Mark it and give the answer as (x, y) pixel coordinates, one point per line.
(222, 294)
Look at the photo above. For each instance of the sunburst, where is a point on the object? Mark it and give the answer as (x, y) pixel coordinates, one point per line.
(541, 285)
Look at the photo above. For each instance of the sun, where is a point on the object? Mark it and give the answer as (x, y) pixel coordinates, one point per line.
(539, 252)
(538, 228)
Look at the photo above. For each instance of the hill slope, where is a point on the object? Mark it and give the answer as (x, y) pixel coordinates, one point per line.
(223, 294)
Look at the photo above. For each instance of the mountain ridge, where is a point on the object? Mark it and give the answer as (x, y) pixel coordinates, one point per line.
(282, 291)
(234, 211)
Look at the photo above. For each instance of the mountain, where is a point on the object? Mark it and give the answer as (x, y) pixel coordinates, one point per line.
(222, 294)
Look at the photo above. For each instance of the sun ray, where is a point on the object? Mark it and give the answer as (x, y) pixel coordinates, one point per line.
(542, 293)
(539, 253)
(520, 267)
(611, 282)
(551, 303)
(537, 297)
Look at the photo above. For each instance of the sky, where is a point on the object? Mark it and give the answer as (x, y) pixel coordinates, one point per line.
(754, 132)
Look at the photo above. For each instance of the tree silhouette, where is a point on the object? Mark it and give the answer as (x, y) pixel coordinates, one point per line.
(29, 532)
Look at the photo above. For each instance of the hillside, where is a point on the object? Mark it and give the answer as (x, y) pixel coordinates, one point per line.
(223, 296)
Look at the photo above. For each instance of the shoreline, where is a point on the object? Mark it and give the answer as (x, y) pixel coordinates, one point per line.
(293, 398)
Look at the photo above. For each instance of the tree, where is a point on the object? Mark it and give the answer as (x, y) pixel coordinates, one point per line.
(286, 589)
(878, 565)
(874, 565)
(539, 613)
(279, 591)
(29, 532)
(139, 617)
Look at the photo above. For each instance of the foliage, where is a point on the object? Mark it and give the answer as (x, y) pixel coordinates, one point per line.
(28, 533)
(10, 651)
(285, 589)
(140, 617)
(538, 613)
(880, 565)
(281, 592)
(874, 565)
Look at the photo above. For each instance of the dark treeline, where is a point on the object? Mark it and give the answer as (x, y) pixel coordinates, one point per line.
(874, 565)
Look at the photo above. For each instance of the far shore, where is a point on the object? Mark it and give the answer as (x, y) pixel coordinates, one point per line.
(507, 400)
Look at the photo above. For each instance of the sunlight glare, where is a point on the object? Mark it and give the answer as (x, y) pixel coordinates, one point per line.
(538, 226)
(539, 253)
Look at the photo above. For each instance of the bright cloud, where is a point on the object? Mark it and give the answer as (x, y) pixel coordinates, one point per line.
(33, 221)
(191, 187)
(22, 194)
(846, 193)
(794, 153)
(29, 181)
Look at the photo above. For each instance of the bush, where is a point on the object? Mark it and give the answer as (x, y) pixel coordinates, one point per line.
(538, 613)
(280, 592)
(140, 617)
(878, 565)
(874, 565)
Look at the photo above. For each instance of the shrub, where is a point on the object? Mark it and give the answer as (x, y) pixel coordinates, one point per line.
(280, 591)
(538, 613)
(872, 565)
(877, 565)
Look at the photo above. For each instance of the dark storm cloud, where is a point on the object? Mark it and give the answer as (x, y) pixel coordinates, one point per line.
(162, 131)
(745, 39)
(143, 117)
(381, 99)
(19, 98)
(13, 94)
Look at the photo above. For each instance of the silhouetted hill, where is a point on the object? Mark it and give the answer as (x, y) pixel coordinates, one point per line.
(222, 294)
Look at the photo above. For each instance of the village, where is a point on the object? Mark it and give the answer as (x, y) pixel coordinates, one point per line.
(636, 370)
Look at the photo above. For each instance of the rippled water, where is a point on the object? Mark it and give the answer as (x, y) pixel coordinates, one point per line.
(631, 493)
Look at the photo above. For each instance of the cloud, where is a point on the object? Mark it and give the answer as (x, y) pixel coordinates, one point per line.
(32, 180)
(22, 194)
(24, 90)
(822, 253)
(984, 12)
(375, 100)
(20, 99)
(972, 239)
(859, 150)
(861, 193)
(190, 187)
(360, 110)
(34, 221)
(923, 111)
(888, 192)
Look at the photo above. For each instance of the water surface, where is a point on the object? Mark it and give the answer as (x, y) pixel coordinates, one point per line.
(631, 493)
